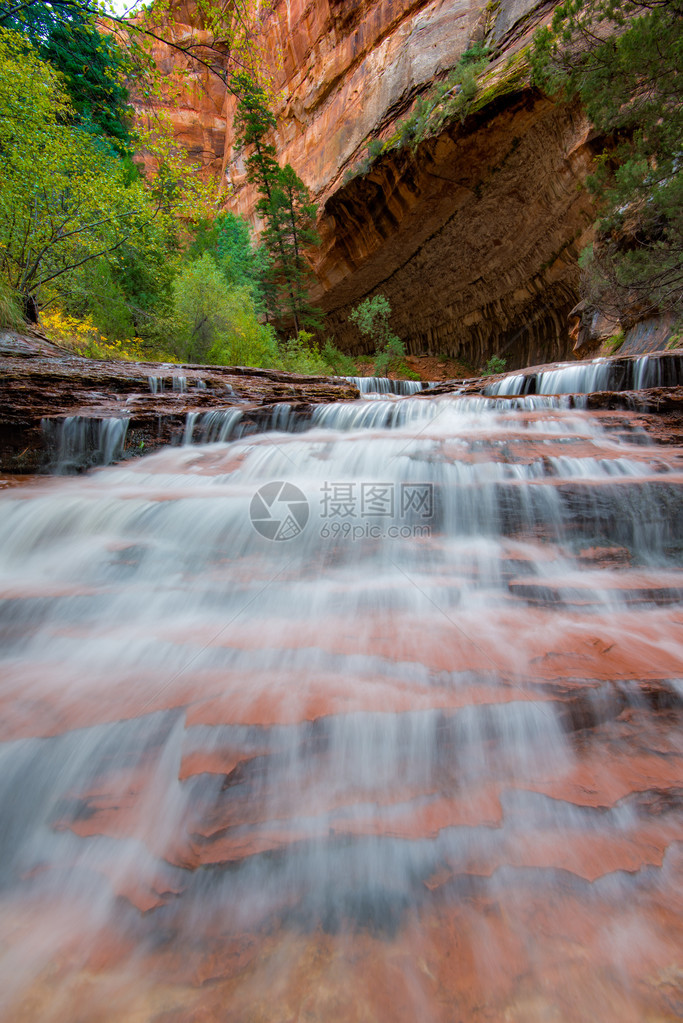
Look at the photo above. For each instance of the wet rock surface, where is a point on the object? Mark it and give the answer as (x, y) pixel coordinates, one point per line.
(39, 380)
(346, 777)
(350, 780)
(43, 386)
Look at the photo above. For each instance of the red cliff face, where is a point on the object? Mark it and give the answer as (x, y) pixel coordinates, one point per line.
(473, 237)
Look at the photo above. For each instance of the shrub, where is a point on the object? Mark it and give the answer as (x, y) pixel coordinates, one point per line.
(340, 364)
(372, 319)
(300, 354)
(217, 323)
(391, 358)
(614, 343)
(81, 335)
(496, 364)
(374, 147)
(476, 53)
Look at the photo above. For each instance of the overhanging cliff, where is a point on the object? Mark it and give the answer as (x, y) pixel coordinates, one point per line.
(473, 236)
(473, 239)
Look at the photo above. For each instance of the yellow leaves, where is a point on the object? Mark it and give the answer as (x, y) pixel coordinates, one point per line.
(83, 338)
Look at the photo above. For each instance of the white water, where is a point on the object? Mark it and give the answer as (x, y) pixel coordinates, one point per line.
(214, 742)
(586, 377)
(383, 385)
(371, 412)
(75, 443)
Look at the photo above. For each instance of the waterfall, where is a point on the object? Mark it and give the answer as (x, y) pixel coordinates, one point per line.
(75, 443)
(383, 385)
(376, 721)
(178, 384)
(207, 427)
(380, 413)
(598, 375)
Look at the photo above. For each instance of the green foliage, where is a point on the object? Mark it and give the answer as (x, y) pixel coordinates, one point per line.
(624, 60)
(391, 358)
(76, 223)
(55, 184)
(11, 309)
(284, 203)
(290, 230)
(215, 322)
(339, 363)
(453, 97)
(92, 65)
(375, 147)
(300, 354)
(463, 91)
(495, 364)
(372, 319)
(614, 343)
(449, 99)
(127, 293)
(226, 35)
(248, 342)
(476, 54)
(62, 200)
(228, 239)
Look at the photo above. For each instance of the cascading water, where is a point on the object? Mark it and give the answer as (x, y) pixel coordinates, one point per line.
(383, 413)
(357, 724)
(75, 443)
(383, 385)
(598, 375)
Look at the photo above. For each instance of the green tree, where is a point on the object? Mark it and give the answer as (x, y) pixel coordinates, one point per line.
(228, 239)
(92, 64)
(225, 35)
(290, 230)
(284, 205)
(216, 322)
(128, 292)
(372, 319)
(64, 201)
(624, 60)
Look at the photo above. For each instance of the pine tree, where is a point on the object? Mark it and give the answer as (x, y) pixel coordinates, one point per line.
(284, 205)
(290, 230)
(624, 60)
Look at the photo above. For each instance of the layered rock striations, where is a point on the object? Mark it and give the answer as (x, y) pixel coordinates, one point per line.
(474, 239)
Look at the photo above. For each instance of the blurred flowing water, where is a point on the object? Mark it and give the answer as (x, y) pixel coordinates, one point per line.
(363, 723)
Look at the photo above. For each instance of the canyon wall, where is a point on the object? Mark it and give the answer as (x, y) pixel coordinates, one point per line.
(473, 236)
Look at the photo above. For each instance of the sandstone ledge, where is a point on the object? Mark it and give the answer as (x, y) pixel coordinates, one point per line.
(41, 380)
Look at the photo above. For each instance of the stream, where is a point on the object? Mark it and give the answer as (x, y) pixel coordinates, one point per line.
(379, 721)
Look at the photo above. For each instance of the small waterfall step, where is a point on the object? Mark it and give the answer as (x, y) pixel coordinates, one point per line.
(607, 374)
(76, 443)
(302, 717)
(383, 385)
